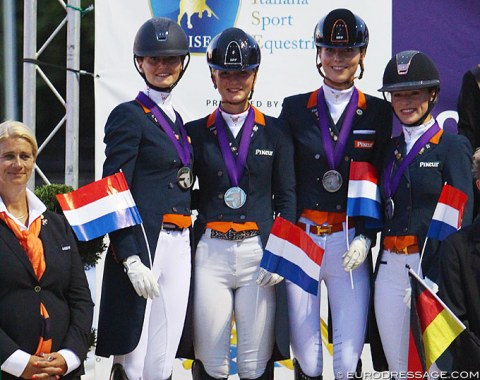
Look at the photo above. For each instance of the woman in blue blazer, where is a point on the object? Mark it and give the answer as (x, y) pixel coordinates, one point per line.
(146, 279)
(417, 164)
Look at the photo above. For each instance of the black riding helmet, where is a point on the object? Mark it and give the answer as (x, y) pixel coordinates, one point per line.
(412, 70)
(161, 37)
(234, 50)
(341, 28)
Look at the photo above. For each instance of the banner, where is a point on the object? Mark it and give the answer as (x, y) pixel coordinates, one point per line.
(283, 29)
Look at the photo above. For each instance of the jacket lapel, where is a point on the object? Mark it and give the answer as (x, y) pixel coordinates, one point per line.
(14, 247)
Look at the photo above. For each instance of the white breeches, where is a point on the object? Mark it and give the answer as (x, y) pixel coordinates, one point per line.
(154, 356)
(392, 314)
(349, 310)
(225, 275)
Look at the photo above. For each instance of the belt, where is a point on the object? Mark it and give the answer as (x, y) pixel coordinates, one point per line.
(406, 251)
(326, 229)
(171, 227)
(234, 235)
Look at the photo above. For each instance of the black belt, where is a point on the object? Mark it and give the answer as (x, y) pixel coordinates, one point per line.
(234, 235)
(171, 227)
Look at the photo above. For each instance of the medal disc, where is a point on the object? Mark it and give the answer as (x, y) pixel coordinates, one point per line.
(235, 197)
(332, 181)
(185, 178)
(389, 208)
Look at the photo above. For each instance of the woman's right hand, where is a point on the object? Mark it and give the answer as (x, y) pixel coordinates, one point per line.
(34, 371)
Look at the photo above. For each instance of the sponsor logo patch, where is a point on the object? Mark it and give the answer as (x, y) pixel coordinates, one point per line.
(263, 152)
(433, 164)
(364, 144)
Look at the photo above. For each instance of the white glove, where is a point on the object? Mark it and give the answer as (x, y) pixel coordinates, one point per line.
(357, 252)
(266, 278)
(408, 292)
(141, 277)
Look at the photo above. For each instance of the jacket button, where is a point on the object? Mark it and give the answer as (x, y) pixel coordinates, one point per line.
(405, 229)
(174, 209)
(37, 289)
(339, 207)
(242, 217)
(346, 158)
(318, 179)
(170, 185)
(220, 196)
(219, 173)
(317, 156)
(220, 217)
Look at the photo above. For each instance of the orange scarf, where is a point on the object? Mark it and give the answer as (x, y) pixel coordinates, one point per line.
(33, 247)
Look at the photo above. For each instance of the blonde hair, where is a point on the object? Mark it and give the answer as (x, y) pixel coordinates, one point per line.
(476, 164)
(13, 128)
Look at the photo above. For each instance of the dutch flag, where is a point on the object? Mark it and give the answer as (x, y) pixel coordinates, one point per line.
(448, 214)
(100, 207)
(364, 193)
(291, 253)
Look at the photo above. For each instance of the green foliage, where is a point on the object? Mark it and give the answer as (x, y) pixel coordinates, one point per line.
(90, 251)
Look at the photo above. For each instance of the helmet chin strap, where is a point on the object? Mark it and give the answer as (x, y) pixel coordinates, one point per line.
(245, 101)
(431, 104)
(164, 89)
(345, 84)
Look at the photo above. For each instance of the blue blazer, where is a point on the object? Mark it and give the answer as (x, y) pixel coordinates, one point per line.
(371, 129)
(63, 289)
(446, 158)
(137, 145)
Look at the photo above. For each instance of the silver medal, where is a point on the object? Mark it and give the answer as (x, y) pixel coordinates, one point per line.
(185, 178)
(389, 208)
(332, 181)
(235, 197)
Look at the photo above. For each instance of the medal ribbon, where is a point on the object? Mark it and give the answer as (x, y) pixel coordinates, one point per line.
(183, 149)
(334, 154)
(391, 183)
(235, 167)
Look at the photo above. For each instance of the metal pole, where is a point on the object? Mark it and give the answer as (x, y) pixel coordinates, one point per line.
(73, 82)
(10, 60)
(29, 77)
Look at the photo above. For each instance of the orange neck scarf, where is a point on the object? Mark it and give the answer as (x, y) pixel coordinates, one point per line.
(33, 247)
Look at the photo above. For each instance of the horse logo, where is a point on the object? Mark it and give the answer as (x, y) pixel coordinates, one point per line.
(191, 7)
(200, 19)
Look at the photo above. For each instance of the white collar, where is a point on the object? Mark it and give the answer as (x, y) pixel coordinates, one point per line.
(234, 121)
(35, 209)
(159, 97)
(412, 134)
(337, 97)
(163, 100)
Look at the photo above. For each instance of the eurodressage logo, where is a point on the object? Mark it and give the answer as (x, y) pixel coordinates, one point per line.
(200, 19)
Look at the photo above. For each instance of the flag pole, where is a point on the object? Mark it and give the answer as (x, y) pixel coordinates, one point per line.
(417, 277)
(421, 255)
(148, 247)
(144, 236)
(345, 226)
(426, 238)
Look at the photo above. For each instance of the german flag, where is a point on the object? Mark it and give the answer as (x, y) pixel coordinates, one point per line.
(433, 326)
